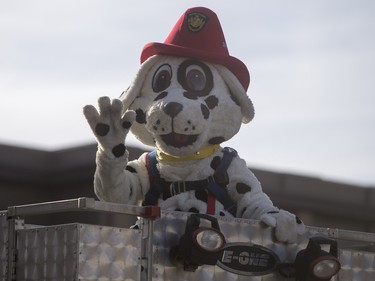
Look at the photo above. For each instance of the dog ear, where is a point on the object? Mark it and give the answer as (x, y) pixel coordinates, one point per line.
(238, 92)
(136, 85)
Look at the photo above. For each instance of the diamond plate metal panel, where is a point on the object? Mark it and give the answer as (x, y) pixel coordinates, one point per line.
(47, 253)
(78, 252)
(90, 252)
(107, 253)
(359, 266)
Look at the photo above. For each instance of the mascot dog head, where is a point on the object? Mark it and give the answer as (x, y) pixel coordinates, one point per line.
(189, 92)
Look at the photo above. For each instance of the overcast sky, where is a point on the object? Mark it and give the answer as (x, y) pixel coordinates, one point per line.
(312, 67)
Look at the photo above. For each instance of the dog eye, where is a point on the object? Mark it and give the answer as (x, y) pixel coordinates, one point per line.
(162, 78)
(195, 78)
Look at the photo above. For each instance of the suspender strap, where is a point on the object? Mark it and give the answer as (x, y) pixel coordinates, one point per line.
(177, 187)
(156, 188)
(151, 162)
(215, 184)
(219, 191)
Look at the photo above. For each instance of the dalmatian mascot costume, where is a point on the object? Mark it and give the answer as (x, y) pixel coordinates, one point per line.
(188, 97)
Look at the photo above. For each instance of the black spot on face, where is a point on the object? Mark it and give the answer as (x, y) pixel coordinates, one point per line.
(140, 116)
(160, 96)
(190, 96)
(131, 169)
(101, 129)
(216, 140)
(201, 195)
(212, 102)
(215, 163)
(126, 125)
(222, 214)
(242, 188)
(205, 111)
(119, 150)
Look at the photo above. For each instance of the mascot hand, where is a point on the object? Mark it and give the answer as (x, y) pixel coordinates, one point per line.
(287, 226)
(109, 125)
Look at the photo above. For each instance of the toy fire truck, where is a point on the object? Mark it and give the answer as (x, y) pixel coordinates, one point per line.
(172, 246)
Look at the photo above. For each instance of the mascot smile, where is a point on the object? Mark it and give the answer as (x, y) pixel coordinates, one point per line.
(188, 97)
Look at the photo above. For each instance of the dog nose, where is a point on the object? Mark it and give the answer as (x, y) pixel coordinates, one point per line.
(172, 108)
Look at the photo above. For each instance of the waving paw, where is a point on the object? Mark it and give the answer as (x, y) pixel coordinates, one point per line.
(109, 125)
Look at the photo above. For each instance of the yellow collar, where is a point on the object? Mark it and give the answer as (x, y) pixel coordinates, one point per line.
(202, 153)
